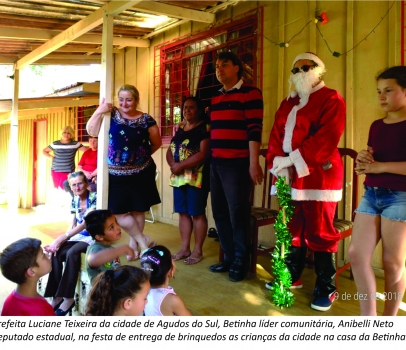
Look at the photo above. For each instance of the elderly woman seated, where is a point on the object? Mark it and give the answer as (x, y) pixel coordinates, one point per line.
(68, 247)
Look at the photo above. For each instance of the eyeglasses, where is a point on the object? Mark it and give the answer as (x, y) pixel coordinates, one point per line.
(304, 68)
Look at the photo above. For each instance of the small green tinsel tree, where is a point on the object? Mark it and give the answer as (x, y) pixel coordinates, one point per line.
(280, 292)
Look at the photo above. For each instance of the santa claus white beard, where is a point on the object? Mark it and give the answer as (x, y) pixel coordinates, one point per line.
(305, 81)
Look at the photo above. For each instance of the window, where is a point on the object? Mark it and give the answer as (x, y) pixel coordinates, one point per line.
(83, 116)
(187, 67)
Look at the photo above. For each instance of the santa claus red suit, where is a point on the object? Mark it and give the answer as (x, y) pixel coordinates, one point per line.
(304, 140)
(310, 138)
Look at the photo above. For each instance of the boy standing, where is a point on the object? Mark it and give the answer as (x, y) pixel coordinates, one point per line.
(101, 256)
(24, 262)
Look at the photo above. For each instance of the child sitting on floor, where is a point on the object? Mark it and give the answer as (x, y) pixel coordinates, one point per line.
(120, 292)
(101, 256)
(24, 262)
(162, 300)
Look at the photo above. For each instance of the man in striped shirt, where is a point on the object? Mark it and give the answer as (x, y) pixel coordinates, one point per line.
(236, 114)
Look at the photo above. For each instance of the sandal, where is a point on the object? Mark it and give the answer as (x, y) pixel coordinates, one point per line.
(193, 261)
(177, 256)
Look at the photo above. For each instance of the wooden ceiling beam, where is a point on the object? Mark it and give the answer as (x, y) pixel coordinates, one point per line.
(69, 62)
(65, 5)
(72, 48)
(81, 60)
(51, 102)
(40, 13)
(158, 8)
(75, 31)
(122, 23)
(55, 56)
(32, 34)
(163, 29)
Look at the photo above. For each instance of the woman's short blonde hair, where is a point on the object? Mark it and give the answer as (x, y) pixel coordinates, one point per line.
(132, 89)
(70, 130)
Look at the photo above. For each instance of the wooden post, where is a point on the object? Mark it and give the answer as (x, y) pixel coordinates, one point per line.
(106, 91)
(13, 193)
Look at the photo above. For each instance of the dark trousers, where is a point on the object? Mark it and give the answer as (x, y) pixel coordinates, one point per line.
(324, 265)
(230, 189)
(63, 285)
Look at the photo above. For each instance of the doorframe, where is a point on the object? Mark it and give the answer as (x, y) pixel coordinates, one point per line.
(35, 157)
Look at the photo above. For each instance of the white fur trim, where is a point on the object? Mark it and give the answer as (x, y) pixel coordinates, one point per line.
(293, 94)
(301, 167)
(318, 86)
(317, 195)
(291, 120)
(289, 126)
(312, 195)
(309, 56)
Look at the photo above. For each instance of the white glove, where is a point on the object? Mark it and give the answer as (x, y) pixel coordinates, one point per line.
(280, 163)
(286, 174)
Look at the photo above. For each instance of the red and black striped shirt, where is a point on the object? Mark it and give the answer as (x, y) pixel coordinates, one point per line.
(236, 118)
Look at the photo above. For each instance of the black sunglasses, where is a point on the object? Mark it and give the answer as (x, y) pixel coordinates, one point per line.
(304, 68)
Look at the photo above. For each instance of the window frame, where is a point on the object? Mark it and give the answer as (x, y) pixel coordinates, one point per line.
(168, 110)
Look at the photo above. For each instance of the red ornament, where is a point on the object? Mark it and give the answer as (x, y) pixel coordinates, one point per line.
(322, 18)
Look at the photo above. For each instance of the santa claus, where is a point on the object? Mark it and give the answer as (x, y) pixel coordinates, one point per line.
(303, 148)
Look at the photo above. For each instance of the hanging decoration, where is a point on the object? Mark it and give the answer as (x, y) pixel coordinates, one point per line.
(322, 18)
(280, 292)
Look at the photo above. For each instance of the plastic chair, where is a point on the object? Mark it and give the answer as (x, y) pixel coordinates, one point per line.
(152, 220)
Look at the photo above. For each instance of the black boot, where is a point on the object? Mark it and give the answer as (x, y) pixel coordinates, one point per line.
(295, 261)
(324, 264)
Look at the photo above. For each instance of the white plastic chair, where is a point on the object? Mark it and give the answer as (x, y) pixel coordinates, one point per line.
(150, 209)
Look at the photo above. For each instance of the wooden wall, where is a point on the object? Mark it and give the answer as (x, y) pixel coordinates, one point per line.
(57, 118)
(349, 30)
(352, 74)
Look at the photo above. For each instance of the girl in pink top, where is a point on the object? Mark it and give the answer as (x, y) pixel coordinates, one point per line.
(381, 215)
(162, 300)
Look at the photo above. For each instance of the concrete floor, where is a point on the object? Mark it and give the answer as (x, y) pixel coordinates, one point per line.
(203, 292)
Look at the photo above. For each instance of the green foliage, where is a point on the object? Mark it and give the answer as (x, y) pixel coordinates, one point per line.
(280, 292)
(37, 69)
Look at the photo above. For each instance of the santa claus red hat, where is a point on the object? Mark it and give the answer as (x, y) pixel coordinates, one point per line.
(309, 56)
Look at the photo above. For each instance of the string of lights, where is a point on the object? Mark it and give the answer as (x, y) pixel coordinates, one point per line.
(337, 54)
(334, 53)
(286, 44)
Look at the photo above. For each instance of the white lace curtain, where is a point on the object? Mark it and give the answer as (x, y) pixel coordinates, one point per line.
(195, 64)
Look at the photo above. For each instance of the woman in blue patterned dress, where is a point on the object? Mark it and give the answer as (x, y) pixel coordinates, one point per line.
(133, 138)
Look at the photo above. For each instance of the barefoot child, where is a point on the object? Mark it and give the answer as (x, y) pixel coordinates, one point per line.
(162, 300)
(120, 292)
(381, 215)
